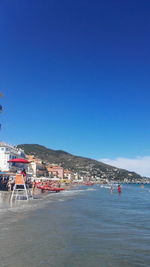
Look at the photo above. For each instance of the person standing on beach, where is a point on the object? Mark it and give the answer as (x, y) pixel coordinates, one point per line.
(23, 172)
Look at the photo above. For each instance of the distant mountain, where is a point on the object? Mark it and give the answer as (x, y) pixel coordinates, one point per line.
(84, 166)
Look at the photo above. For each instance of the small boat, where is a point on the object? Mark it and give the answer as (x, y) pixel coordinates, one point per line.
(49, 188)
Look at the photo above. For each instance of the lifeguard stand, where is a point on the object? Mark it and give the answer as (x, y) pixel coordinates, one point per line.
(20, 190)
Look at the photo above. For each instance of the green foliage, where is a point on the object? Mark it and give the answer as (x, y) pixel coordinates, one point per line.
(76, 163)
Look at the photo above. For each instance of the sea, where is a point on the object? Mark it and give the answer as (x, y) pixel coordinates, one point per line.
(88, 226)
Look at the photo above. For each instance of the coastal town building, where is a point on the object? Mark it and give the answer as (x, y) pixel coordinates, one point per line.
(8, 152)
(57, 171)
(34, 164)
(67, 174)
(34, 159)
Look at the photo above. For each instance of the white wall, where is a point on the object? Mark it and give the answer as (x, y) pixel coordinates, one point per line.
(7, 153)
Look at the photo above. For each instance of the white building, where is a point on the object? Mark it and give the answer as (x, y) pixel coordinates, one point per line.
(32, 169)
(8, 152)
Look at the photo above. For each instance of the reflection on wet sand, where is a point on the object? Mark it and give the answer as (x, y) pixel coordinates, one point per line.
(4, 198)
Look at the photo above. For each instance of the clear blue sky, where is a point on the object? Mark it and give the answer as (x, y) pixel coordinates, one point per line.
(76, 75)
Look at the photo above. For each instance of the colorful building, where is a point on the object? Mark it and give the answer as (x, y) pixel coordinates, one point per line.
(56, 171)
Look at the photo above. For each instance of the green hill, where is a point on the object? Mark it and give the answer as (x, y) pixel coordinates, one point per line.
(84, 166)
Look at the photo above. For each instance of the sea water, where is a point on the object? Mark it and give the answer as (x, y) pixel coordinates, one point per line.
(88, 226)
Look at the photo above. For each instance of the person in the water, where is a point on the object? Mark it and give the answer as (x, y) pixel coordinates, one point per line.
(111, 189)
(119, 189)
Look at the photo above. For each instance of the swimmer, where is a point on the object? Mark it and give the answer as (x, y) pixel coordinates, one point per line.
(111, 189)
(119, 189)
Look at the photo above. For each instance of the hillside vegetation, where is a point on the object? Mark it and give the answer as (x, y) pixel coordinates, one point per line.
(84, 166)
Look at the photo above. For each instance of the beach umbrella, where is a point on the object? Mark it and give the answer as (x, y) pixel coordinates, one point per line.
(19, 160)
